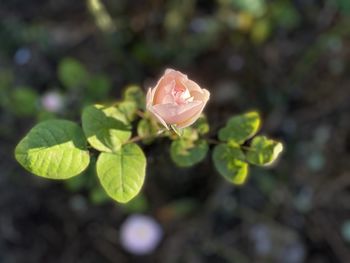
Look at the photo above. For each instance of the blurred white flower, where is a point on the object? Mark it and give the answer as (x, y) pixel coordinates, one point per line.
(52, 101)
(140, 234)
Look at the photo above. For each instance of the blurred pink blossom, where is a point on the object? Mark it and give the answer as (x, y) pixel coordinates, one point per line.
(52, 101)
(140, 234)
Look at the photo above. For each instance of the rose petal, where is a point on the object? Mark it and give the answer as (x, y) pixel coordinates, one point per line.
(173, 114)
(202, 95)
(158, 117)
(191, 120)
(192, 86)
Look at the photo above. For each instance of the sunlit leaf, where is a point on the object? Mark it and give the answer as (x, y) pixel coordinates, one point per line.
(147, 130)
(201, 125)
(229, 162)
(240, 128)
(128, 108)
(105, 127)
(54, 149)
(136, 94)
(186, 153)
(264, 151)
(122, 173)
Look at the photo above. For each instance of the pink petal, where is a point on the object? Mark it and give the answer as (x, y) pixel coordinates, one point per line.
(202, 95)
(192, 86)
(173, 114)
(191, 120)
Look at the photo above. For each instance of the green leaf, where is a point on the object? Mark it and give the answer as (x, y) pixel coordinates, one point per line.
(136, 94)
(122, 173)
(128, 108)
(186, 153)
(201, 125)
(229, 162)
(189, 134)
(106, 128)
(72, 73)
(147, 130)
(240, 128)
(263, 151)
(54, 149)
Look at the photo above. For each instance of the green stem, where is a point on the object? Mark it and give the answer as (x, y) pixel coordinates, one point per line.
(140, 138)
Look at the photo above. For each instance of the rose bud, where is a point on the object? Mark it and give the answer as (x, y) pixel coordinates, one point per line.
(176, 100)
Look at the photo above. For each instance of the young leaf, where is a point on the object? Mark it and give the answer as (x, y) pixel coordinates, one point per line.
(128, 108)
(122, 173)
(263, 151)
(186, 153)
(228, 161)
(135, 93)
(146, 129)
(72, 73)
(201, 125)
(54, 149)
(240, 128)
(106, 128)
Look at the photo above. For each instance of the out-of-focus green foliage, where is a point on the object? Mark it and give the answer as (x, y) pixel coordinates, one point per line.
(24, 101)
(98, 86)
(344, 6)
(72, 73)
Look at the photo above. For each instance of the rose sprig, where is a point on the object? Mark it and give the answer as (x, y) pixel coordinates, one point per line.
(62, 149)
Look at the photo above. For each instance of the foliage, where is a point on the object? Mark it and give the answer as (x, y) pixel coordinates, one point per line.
(232, 157)
(57, 149)
(54, 149)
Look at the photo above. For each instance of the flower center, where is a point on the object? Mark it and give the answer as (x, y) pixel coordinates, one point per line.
(181, 95)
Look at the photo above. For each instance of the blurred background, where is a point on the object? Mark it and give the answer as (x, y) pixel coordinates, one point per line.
(287, 58)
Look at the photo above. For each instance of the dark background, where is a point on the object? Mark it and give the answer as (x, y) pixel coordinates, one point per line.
(288, 59)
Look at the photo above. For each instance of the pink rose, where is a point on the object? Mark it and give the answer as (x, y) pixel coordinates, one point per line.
(176, 100)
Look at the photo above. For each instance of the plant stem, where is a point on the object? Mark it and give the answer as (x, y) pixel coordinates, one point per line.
(141, 114)
(140, 138)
